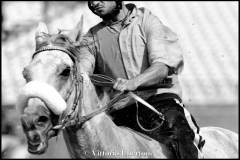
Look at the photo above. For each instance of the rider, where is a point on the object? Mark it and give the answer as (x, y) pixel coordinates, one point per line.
(134, 47)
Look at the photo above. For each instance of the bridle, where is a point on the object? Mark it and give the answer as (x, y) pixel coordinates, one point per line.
(71, 118)
(77, 84)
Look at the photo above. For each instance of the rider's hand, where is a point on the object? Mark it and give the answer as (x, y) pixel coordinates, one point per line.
(124, 85)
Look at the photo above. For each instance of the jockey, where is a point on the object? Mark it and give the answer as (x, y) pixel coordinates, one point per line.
(134, 47)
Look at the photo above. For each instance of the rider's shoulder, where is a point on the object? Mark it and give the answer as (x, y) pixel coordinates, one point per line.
(144, 12)
(88, 36)
(96, 28)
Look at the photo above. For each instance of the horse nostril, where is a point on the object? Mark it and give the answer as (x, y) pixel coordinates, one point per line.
(33, 136)
(36, 138)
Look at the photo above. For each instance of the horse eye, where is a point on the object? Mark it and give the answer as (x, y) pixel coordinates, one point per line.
(26, 74)
(24, 127)
(42, 119)
(66, 72)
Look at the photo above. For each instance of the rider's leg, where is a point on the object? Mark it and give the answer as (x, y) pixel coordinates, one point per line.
(175, 133)
(182, 135)
(183, 132)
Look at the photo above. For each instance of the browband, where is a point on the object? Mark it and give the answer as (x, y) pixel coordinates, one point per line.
(50, 47)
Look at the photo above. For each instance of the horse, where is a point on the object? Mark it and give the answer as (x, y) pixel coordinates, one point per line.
(59, 95)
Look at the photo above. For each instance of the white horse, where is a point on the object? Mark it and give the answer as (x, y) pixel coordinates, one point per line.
(52, 91)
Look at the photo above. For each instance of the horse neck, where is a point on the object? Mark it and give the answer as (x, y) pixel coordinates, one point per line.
(98, 133)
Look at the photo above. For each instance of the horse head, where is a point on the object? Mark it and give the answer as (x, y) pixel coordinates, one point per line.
(50, 77)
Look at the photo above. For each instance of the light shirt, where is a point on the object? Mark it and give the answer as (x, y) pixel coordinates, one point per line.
(109, 60)
(144, 40)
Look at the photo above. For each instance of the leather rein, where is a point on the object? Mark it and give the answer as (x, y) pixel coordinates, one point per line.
(70, 118)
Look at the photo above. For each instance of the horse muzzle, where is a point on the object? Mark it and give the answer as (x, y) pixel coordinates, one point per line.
(37, 148)
(39, 145)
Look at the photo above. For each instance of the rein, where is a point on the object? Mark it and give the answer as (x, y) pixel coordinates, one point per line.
(102, 80)
(97, 79)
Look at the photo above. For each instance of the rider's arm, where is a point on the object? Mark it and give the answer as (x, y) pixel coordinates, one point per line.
(152, 75)
(86, 54)
(164, 55)
(86, 62)
(164, 52)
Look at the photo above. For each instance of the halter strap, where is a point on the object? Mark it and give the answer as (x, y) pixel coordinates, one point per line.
(77, 80)
(59, 48)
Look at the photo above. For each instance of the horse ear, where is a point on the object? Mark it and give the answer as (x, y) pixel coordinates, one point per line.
(77, 32)
(40, 31)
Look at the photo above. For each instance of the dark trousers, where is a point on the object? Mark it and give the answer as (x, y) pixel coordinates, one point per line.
(175, 132)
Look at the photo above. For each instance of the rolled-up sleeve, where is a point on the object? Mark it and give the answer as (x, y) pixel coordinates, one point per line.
(162, 44)
(87, 53)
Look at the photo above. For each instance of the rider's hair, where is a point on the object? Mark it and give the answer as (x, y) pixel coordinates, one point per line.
(118, 6)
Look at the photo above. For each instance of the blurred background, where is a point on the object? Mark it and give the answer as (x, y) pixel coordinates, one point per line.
(208, 32)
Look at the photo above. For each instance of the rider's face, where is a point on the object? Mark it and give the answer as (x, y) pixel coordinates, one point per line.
(103, 8)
